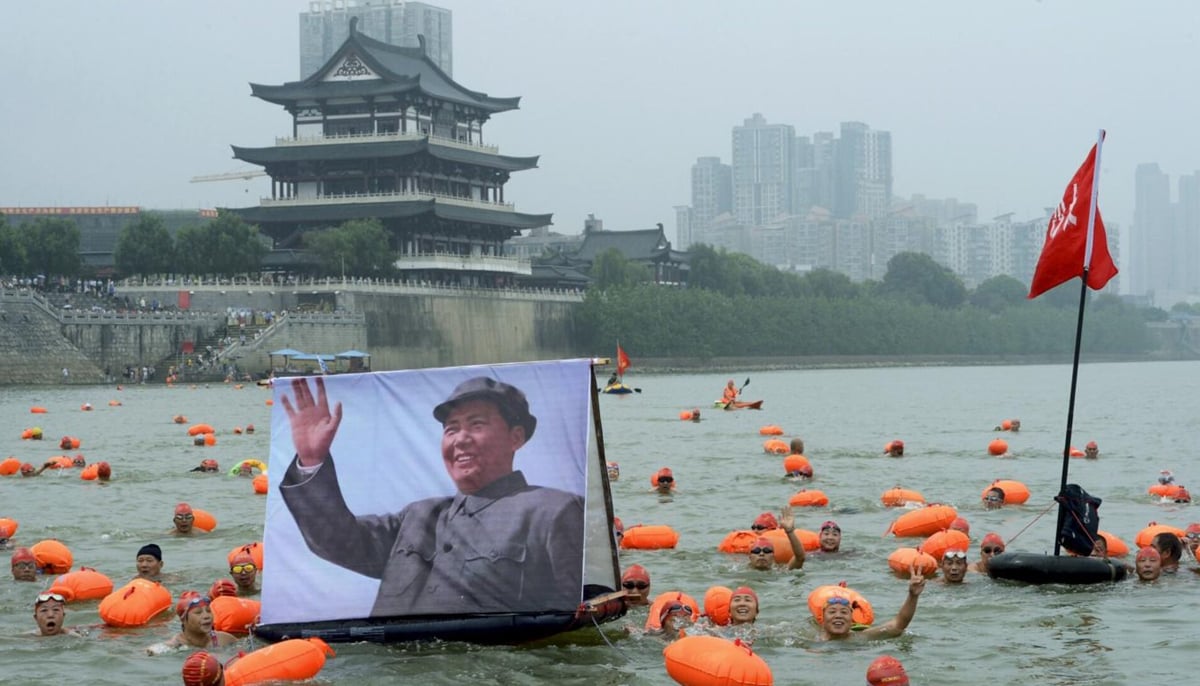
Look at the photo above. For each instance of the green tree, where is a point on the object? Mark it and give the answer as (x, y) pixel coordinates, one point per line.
(191, 255)
(358, 247)
(826, 283)
(611, 269)
(144, 247)
(915, 277)
(52, 246)
(235, 247)
(998, 293)
(12, 251)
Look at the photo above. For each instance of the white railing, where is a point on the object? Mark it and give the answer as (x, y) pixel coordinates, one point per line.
(353, 198)
(350, 284)
(445, 260)
(321, 139)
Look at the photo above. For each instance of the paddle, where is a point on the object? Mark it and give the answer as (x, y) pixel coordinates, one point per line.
(727, 405)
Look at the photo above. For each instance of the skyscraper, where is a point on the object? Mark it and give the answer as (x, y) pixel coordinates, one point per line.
(326, 25)
(863, 171)
(762, 171)
(712, 196)
(1151, 240)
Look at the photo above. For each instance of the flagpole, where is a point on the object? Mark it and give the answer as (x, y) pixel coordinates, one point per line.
(1083, 286)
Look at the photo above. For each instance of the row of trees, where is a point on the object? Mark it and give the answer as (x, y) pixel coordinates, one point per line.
(225, 246)
(736, 306)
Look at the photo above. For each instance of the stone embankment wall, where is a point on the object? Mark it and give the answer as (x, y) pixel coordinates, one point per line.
(32, 347)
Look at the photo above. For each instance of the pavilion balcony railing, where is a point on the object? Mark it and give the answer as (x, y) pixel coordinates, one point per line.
(354, 198)
(325, 284)
(457, 262)
(322, 139)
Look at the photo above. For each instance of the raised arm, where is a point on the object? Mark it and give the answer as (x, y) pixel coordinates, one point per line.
(313, 425)
(896, 626)
(787, 522)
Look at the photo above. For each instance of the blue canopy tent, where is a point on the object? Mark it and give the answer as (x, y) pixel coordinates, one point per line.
(356, 360)
(319, 358)
(287, 354)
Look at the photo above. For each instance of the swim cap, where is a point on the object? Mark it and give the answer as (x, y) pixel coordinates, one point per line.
(188, 600)
(209, 463)
(1091, 444)
(636, 573)
(673, 608)
(103, 470)
(961, 524)
(150, 549)
(886, 670)
(746, 590)
(201, 669)
(23, 555)
(78, 461)
(830, 524)
(992, 538)
(1148, 552)
(183, 509)
(1193, 528)
(766, 520)
(618, 524)
(26, 469)
(897, 443)
(762, 542)
(249, 428)
(242, 556)
(222, 587)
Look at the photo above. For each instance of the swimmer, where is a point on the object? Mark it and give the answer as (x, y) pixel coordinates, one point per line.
(954, 566)
(1165, 477)
(614, 471)
(743, 606)
(830, 537)
(838, 616)
(222, 588)
(665, 481)
(24, 565)
(244, 572)
(765, 522)
(50, 613)
(636, 582)
(674, 619)
(894, 449)
(695, 414)
(184, 521)
(796, 446)
(886, 670)
(994, 498)
(207, 465)
(761, 554)
(991, 546)
(960, 524)
(1170, 551)
(1016, 426)
(1148, 564)
(1100, 547)
(1091, 451)
(103, 471)
(29, 470)
(202, 669)
(249, 428)
(195, 626)
(618, 530)
(1191, 537)
(149, 562)
(78, 461)
(245, 469)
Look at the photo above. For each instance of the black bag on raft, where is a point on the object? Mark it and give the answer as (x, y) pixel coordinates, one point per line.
(1082, 522)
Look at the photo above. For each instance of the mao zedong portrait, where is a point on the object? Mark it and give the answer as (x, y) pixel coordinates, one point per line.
(498, 544)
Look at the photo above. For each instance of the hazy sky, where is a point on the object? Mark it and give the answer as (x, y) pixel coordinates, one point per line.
(121, 102)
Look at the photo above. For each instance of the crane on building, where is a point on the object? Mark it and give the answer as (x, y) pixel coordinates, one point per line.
(246, 174)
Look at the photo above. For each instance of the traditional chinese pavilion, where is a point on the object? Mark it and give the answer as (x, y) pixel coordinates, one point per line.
(381, 132)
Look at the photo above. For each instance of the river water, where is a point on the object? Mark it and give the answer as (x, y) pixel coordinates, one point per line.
(1143, 415)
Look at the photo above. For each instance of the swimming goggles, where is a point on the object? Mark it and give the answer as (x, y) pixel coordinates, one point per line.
(247, 567)
(640, 585)
(761, 551)
(43, 597)
(837, 600)
(951, 554)
(992, 551)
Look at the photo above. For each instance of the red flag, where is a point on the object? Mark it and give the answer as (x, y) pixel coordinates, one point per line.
(1064, 253)
(622, 361)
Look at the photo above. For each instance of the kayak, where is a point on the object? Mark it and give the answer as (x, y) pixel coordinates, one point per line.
(738, 405)
(618, 388)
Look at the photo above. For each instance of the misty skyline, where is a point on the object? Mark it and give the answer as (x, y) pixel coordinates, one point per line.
(122, 103)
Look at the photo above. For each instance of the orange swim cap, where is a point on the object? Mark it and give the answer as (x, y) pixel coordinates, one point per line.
(201, 669)
(222, 587)
(183, 509)
(887, 670)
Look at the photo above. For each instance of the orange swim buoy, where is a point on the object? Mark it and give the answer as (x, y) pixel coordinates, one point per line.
(1006, 425)
(775, 446)
(135, 603)
(651, 537)
(294, 659)
(937, 544)
(1075, 452)
(255, 549)
(1153, 529)
(902, 561)
(8, 527)
(715, 661)
(37, 409)
(770, 430)
(795, 463)
(716, 604)
(809, 540)
(210, 439)
(1116, 547)
(1015, 492)
(808, 498)
(84, 584)
(52, 556)
(196, 429)
(862, 611)
(998, 447)
(923, 522)
(10, 466)
(899, 497)
(235, 615)
(90, 472)
(260, 484)
(653, 621)
(1160, 489)
(202, 519)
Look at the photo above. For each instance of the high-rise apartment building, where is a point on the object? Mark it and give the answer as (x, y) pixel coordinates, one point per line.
(863, 171)
(326, 25)
(1152, 248)
(712, 196)
(762, 171)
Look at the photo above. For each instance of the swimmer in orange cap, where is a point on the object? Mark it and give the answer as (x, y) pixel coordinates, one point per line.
(195, 626)
(991, 546)
(954, 566)
(207, 465)
(244, 572)
(674, 618)
(886, 670)
(222, 588)
(614, 471)
(830, 537)
(1148, 564)
(765, 522)
(961, 524)
(78, 461)
(894, 448)
(1091, 451)
(743, 606)
(761, 554)
(636, 582)
(664, 482)
(618, 530)
(1191, 537)
(24, 565)
(184, 521)
(29, 470)
(202, 669)
(103, 471)
(695, 414)
(837, 619)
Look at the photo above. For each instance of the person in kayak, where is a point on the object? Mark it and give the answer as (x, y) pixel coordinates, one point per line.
(730, 394)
